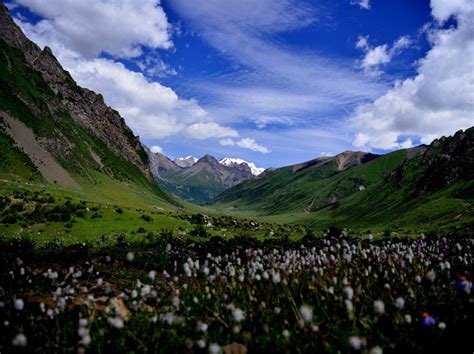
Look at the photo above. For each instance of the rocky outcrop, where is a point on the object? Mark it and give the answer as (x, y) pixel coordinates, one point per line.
(84, 106)
(444, 162)
(185, 161)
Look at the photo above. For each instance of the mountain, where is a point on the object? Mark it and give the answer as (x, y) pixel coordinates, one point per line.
(291, 188)
(53, 129)
(185, 161)
(425, 187)
(197, 181)
(229, 161)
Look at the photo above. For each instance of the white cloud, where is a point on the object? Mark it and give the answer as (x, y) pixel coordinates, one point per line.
(209, 130)
(439, 100)
(249, 143)
(119, 27)
(152, 110)
(227, 142)
(443, 9)
(246, 143)
(377, 56)
(272, 83)
(155, 149)
(364, 4)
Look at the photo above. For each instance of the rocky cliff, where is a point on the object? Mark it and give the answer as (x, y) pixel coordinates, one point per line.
(33, 79)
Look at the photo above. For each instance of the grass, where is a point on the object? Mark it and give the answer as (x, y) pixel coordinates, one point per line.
(165, 293)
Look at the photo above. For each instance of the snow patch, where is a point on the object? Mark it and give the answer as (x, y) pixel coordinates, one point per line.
(229, 161)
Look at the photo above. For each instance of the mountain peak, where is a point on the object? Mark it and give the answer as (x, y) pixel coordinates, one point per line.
(229, 161)
(187, 161)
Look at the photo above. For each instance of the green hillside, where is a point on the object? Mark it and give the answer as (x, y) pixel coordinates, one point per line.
(284, 190)
(426, 188)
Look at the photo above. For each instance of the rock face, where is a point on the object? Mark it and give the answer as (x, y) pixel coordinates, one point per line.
(229, 161)
(185, 161)
(63, 96)
(442, 163)
(198, 182)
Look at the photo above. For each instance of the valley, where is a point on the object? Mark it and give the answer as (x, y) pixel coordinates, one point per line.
(109, 245)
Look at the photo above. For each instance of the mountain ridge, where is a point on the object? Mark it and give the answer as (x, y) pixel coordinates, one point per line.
(425, 185)
(197, 181)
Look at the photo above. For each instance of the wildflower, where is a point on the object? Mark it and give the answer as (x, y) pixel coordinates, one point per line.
(19, 304)
(134, 294)
(214, 348)
(116, 322)
(130, 256)
(20, 340)
(379, 307)
(175, 301)
(431, 275)
(408, 318)
(286, 333)
(307, 313)
(202, 326)
(349, 305)
(349, 292)
(152, 274)
(399, 303)
(276, 278)
(201, 343)
(442, 325)
(355, 342)
(376, 350)
(86, 340)
(83, 322)
(428, 320)
(238, 315)
(277, 310)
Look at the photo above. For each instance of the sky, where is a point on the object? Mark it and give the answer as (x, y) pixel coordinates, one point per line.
(272, 82)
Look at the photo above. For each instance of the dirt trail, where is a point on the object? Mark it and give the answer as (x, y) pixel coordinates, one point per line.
(49, 168)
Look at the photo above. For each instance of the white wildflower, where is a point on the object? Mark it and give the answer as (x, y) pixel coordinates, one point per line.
(238, 315)
(400, 303)
(20, 340)
(19, 304)
(214, 348)
(306, 313)
(379, 307)
(355, 342)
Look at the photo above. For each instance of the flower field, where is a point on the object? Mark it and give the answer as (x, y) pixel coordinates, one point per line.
(170, 295)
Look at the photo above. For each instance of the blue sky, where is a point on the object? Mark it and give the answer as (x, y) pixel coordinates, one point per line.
(272, 82)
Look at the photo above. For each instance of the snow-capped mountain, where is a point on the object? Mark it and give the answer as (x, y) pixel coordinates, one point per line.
(185, 161)
(229, 161)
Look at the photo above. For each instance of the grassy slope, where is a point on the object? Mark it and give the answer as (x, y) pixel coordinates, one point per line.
(283, 191)
(19, 84)
(382, 205)
(198, 188)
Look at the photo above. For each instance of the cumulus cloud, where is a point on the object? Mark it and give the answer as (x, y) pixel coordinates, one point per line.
(364, 4)
(119, 28)
(156, 149)
(249, 143)
(245, 143)
(380, 55)
(151, 109)
(227, 142)
(209, 130)
(439, 100)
